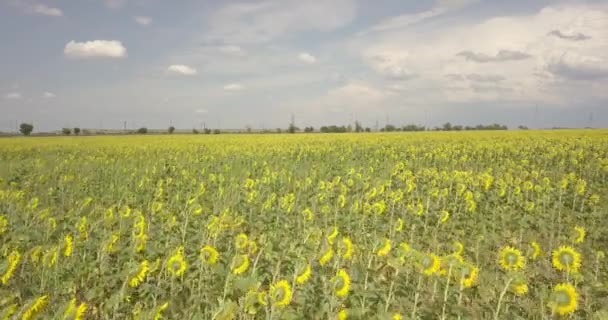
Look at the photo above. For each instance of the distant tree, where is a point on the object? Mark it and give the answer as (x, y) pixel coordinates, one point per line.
(207, 131)
(457, 128)
(216, 131)
(358, 127)
(368, 129)
(447, 126)
(389, 128)
(171, 129)
(76, 131)
(279, 130)
(66, 131)
(309, 129)
(142, 130)
(292, 128)
(522, 128)
(26, 129)
(194, 131)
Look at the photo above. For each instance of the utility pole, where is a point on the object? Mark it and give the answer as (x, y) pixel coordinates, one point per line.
(591, 120)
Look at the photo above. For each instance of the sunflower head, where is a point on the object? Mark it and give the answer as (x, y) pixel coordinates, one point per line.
(429, 263)
(341, 283)
(304, 274)
(345, 248)
(566, 258)
(519, 287)
(280, 293)
(240, 264)
(564, 299)
(326, 256)
(469, 275)
(511, 259)
(209, 255)
(536, 250)
(579, 234)
(241, 241)
(177, 264)
(385, 248)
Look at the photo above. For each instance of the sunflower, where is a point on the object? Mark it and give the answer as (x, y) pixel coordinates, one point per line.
(241, 240)
(565, 258)
(580, 234)
(68, 245)
(304, 275)
(459, 248)
(209, 255)
(429, 263)
(342, 314)
(399, 225)
(385, 249)
(329, 253)
(240, 264)
(519, 287)
(341, 283)
(332, 236)
(346, 248)
(564, 299)
(177, 263)
(262, 297)
(280, 293)
(510, 259)
(469, 275)
(140, 276)
(536, 250)
(397, 316)
(445, 215)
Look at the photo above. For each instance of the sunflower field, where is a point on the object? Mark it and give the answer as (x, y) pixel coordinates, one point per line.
(428, 225)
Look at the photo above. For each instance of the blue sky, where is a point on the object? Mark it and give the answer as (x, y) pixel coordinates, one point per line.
(232, 64)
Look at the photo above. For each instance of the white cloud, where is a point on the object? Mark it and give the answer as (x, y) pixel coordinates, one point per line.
(260, 22)
(510, 59)
(115, 4)
(202, 111)
(233, 87)
(143, 20)
(182, 69)
(95, 49)
(48, 95)
(441, 7)
(42, 9)
(231, 50)
(13, 96)
(307, 57)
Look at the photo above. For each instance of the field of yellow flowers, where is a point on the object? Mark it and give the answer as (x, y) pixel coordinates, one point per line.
(468, 225)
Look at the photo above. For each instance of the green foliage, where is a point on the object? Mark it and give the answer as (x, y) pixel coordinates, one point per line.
(26, 129)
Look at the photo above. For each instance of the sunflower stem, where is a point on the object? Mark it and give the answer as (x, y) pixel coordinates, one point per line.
(445, 292)
(502, 295)
(416, 295)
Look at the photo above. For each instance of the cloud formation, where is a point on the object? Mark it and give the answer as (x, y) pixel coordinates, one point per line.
(143, 20)
(233, 87)
(48, 95)
(307, 57)
(502, 55)
(13, 96)
(95, 49)
(182, 69)
(574, 36)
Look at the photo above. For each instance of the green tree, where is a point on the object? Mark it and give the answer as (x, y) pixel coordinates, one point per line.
(171, 129)
(26, 129)
(76, 131)
(66, 131)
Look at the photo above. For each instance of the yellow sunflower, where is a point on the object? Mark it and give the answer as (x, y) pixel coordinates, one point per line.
(580, 234)
(332, 236)
(346, 248)
(304, 275)
(177, 263)
(445, 215)
(240, 264)
(536, 250)
(519, 287)
(385, 249)
(280, 293)
(209, 255)
(564, 299)
(470, 274)
(327, 255)
(565, 258)
(459, 248)
(342, 314)
(241, 241)
(429, 264)
(511, 259)
(341, 283)
(140, 276)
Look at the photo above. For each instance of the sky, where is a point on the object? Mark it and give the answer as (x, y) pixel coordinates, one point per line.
(238, 64)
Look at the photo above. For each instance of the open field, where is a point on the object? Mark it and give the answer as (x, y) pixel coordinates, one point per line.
(467, 225)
